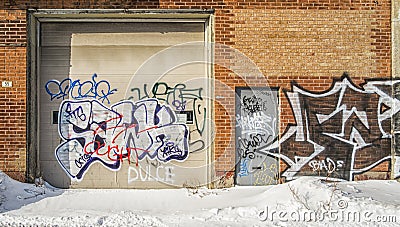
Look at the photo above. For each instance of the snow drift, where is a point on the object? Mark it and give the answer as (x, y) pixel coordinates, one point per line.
(307, 201)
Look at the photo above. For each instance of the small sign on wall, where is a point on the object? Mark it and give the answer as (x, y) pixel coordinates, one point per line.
(6, 84)
(185, 117)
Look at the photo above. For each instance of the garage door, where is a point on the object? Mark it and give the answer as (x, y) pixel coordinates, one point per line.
(123, 105)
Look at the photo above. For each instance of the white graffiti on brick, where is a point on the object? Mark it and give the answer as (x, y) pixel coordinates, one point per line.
(343, 114)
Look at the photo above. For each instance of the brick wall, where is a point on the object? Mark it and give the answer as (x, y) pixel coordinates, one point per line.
(12, 100)
(307, 42)
(311, 46)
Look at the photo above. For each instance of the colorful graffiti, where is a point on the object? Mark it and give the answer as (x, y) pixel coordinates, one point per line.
(127, 131)
(76, 89)
(243, 167)
(343, 132)
(184, 100)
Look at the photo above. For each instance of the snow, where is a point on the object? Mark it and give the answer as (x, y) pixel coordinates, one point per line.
(362, 203)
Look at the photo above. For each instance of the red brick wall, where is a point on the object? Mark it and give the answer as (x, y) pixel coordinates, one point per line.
(13, 100)
(309, 42)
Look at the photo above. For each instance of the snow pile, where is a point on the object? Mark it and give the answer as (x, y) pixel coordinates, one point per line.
(306, 201)
(14, 194)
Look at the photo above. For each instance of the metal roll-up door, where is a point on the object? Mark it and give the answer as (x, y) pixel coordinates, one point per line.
(118, 108)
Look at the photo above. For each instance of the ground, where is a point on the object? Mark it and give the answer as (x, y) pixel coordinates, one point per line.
(307, 201)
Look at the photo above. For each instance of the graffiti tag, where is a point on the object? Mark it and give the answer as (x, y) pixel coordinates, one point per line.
(76, 89)
(125, 131)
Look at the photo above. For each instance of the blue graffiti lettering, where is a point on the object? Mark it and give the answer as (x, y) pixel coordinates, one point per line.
(126, 131)
(76, 89)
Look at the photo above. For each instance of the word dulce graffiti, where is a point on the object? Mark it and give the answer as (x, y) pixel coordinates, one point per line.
(126, 131)
(159, 173)
(326, 164)
(76, 89)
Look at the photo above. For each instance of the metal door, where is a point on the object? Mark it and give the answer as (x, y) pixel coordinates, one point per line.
(256, 127)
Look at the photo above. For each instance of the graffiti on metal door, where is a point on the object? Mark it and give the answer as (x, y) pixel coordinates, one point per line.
(256, 127)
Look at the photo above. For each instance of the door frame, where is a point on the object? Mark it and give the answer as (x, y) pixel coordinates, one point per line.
(37, 16)
(237, 106)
